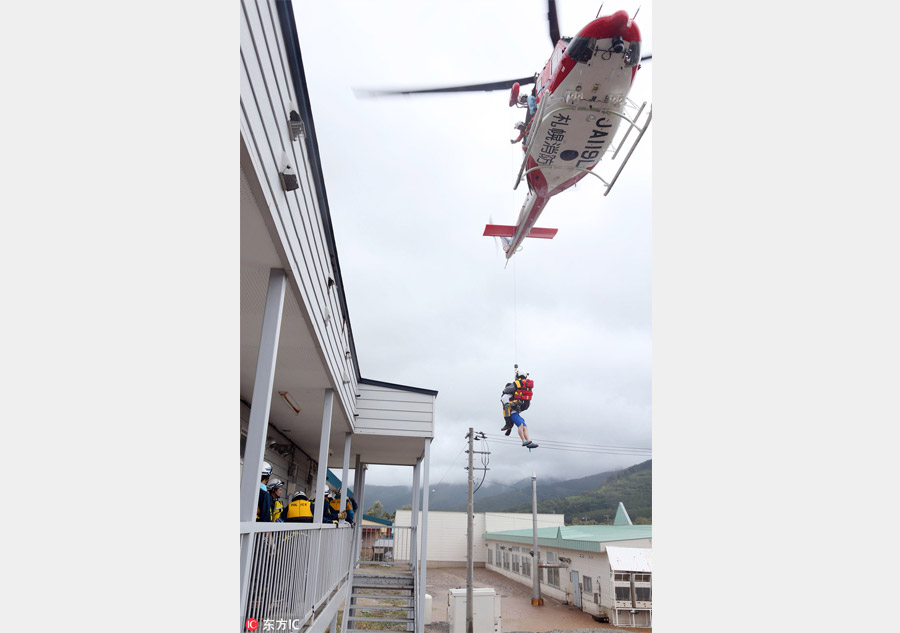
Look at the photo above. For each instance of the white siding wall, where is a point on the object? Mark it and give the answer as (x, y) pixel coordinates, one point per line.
(386, 411)
(592, 564)
(266, 93)
(606, 588)
(447, 531)
(503, 521)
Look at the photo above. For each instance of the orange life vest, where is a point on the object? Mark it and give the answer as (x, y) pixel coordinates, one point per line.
(523, 389)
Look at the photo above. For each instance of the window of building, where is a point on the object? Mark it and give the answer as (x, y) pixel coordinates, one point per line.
(642, 594)
(588, 585)
(515, 563)
(623, 593)
(642, 578)
(505, 559)
(490, 557)
(553, 577)
(526, 566)
(622, 577)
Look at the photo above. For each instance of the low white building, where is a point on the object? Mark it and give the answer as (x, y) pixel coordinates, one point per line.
(605, 570)
(447, 532)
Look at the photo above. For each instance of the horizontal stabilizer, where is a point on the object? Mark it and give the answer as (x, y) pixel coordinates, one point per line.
(503, 230)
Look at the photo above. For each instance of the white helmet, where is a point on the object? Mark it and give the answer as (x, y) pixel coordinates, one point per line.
(266, 469)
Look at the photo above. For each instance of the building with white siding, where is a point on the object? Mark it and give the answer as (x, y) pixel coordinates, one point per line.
(605, 570)
(304, 405)
(446, 535)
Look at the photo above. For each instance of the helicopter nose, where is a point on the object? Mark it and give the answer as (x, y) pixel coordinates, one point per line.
(619, 24)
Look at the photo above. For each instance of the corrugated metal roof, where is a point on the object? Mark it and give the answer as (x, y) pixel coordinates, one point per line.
(630, 558)
(588, 538)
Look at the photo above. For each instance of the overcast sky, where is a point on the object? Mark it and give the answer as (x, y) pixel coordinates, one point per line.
(411, 182)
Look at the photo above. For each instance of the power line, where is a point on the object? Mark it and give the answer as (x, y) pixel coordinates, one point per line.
(453, 461)
(598, 450)
(577, 444)
(586, 451)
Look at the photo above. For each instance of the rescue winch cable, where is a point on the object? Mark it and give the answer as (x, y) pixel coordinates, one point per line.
(515, 320)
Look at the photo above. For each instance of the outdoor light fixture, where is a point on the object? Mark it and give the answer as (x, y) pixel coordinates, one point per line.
(289, 180)
(295, 123)
(290, 401)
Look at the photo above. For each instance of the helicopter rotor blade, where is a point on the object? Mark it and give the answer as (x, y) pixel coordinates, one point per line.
(487, 87)
(554, 21)
(647, 57)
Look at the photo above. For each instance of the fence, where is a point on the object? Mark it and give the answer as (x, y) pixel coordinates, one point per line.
(294, 569)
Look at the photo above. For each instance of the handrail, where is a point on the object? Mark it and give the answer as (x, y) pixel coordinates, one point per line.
(254, 527)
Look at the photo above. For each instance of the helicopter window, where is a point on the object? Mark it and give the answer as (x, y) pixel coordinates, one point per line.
(633, 54)
(557, 56)
(581, 49)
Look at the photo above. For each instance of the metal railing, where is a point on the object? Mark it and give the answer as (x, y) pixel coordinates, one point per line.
(294, 569)
(389, 546)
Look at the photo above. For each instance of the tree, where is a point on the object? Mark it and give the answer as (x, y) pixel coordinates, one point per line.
(376, 510)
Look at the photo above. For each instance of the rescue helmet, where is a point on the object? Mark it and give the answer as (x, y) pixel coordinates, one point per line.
(520, 374)
(274, 484)
(266, 469)
(299, 495)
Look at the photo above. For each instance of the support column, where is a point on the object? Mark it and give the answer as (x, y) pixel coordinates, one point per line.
(357, 520)
(414, 519)
(322, 469)
(261, 404)
(346, 472)
(361, 498)
(420, 620)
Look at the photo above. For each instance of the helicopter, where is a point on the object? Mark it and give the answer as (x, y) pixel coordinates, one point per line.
(572, 114)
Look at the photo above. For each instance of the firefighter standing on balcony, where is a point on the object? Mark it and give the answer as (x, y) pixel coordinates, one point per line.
(300, 509)
(276, 489)
(265, 505)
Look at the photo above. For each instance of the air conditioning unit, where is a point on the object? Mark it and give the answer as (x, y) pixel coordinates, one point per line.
(485, 610)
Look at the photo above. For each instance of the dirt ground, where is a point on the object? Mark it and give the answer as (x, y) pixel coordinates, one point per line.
(515, 604)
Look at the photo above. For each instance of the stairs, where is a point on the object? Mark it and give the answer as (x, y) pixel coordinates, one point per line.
(381, 603)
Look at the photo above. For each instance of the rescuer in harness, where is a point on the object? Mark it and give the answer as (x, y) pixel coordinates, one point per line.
(516, 398)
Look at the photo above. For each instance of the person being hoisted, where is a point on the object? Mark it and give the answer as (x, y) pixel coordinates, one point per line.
(516, 398)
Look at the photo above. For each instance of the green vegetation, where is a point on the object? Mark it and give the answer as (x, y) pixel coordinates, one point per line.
(586, 501)
(632, 486)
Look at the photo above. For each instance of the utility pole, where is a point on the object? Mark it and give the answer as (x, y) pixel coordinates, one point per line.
(469, 540)
(536, 600)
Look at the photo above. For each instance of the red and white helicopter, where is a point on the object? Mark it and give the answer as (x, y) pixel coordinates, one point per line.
(573, 112)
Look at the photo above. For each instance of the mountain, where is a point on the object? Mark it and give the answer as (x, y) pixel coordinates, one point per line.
(516, 497)
(632, 486)
(520, 493)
